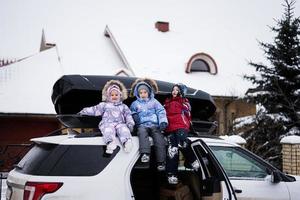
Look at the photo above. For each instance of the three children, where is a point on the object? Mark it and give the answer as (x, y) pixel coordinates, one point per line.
(151, 119)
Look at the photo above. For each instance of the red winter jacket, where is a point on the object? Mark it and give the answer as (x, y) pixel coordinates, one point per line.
(178, 113)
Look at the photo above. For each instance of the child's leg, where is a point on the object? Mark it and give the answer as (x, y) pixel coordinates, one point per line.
(142, 132)
(159, 144)
(109, 133)
(185, 146)
(172, 154)
(123, 132)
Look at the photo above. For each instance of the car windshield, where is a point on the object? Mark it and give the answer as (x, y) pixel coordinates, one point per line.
(237, 163)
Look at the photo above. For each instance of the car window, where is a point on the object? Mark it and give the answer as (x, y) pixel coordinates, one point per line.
(65, 160)
(238, 164)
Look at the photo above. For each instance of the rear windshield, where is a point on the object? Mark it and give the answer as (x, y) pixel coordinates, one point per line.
(65, 160)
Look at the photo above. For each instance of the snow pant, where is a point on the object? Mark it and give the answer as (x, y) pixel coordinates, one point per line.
(158, 142)
(178, 140)
(109, 131)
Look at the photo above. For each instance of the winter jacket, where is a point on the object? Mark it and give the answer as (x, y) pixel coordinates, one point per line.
(178, 113)
(149, 112)
(111, 112)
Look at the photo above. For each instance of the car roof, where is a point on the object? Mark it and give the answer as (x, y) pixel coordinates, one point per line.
(68, 140)
(219, 142)
(91, 140)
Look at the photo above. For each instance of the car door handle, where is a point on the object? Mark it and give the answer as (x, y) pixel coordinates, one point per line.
(237, 190)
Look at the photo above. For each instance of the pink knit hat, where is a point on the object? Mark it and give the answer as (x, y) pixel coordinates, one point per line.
(115, 88)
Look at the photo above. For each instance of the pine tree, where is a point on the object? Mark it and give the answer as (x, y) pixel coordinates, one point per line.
(277, 89)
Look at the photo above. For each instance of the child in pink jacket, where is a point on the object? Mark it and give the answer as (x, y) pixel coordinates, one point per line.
(116, 116)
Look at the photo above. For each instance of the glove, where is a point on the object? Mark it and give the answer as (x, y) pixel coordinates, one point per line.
(136, 118)
(163, 126)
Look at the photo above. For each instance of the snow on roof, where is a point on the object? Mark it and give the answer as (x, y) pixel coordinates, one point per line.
(226, 31)
(293, 139)
(164, 56)
(234, 139)
(25, 87)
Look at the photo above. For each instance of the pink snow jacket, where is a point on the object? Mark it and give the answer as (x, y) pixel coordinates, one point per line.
(111, 113)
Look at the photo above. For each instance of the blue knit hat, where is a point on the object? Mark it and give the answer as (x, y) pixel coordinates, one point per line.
(144, 87)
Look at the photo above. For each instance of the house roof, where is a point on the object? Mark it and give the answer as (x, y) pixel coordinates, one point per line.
(228, 32)
(25, 87)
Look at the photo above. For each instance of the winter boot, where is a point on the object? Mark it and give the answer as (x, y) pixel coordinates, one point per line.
(111, 146)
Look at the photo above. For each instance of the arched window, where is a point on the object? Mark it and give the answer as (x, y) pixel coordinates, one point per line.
(199, 65)
(201, 62)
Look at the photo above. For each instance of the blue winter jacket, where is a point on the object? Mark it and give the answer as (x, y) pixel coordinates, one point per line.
(148, 112)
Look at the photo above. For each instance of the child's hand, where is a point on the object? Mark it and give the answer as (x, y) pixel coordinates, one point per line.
(136, 118)
(163, 126)
(130, 127)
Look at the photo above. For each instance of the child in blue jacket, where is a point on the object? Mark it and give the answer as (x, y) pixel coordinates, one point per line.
(150, 118)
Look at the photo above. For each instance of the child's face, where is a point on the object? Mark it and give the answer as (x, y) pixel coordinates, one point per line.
(175, 91)
(143, 94)
(114, 96)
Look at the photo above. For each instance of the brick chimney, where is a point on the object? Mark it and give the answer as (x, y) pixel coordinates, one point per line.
(162, 26)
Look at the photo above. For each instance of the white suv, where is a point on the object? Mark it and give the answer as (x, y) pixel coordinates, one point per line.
(75, 166)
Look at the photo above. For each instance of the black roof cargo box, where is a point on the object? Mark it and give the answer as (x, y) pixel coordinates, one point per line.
(71, 93)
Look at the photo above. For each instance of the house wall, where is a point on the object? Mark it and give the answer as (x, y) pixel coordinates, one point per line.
(16, 132)
(228, 109)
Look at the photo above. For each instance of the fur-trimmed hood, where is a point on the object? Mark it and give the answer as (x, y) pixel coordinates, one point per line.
(153, 87)
(124, 93)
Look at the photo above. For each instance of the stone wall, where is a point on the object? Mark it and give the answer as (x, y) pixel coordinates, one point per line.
(291, 155)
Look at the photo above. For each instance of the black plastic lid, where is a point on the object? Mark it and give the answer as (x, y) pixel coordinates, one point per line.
(71, 93)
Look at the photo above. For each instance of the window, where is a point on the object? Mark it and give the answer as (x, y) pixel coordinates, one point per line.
(65, 160)
(200, 65)
(201, 62)
(238, 164)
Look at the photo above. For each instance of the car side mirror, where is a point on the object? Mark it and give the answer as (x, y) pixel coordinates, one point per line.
(275, 177)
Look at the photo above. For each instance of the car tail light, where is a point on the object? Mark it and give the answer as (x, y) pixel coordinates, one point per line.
(36, 190)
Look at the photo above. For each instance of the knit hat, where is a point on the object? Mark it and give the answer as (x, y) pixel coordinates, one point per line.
(182, 89)
(143, 87)
(115, 88)
(114, 85)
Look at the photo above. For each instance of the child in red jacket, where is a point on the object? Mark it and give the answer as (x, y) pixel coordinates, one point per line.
(179, 117)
